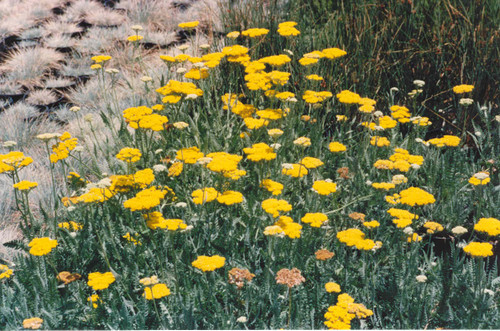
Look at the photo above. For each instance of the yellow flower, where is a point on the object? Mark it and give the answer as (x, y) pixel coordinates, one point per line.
(306, 61)
(100, 281)
(259, 152)
(289, 227)
(275, 206)
(42, 246)
(416, 196)
(196, 73)
(276, 60)
(459, 89)
(189, 25)
(480, 178)
(302, 141)
(157, 291)
(130, 238)
(25, 185)
(355, 237)
(147, 281)
(175, 169)
(316, 220)
(101, 58)
(255, 123)
(209, 263)
(446, 140)
(383, 186)
(476, 249)
(155, 220)
(95, 66)
(204, 195)
(490, 225)
(129, 155)
(372, 224)
(13, 160)
(295, 170)
(230, 198)
(255, 32)
(336, 147)
(311, 162)
(189, 155)
(333, 53)
(332, 287)
(413, 238)
(72, 226)
(274, 187)
(95, 300)
(33, 323)
(233, 34)
(348, 97)
(287, 29)
(5, 272)
(314, 77)
(146, 199)
(379, 141)
(316, 96)
(433, 227)
(274, 133)
(134, 38)
(324, 187)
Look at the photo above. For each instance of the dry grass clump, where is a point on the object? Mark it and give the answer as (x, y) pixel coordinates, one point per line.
(79, 9)
(105, 18)
(60, 27)
(59, 41)
(41, 97)
(28, 65)
(58, 82)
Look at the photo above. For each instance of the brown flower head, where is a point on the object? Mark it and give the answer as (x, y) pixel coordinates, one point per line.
(67, 277)
(343, 172)
(357, 216)
(324, 254)
(238, 276)
(289, 277)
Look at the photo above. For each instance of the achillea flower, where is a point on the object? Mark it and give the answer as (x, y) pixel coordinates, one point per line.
(339, 316)
(275, 206)
(289, 227)
(175, 169)
(460, 89)
(459, 230)
(157, 291)
(189, 155)
(129, 155)
(5, 272)
(311, 162)
(314, 97)
(155, 220)
(134, 38)
(131, 238)
(146, 199)
(414, 237)
(101, 58)
(446, 140)
(332, 287)
(433, 227)
(379, 141)
(25, 185)
(67, 277)
(94, 300)
(324, 254)
(233, 34)
(42, 246)
(314, 77)
(295, 170)
(372, 224)
(336, 147)
(316, 220)
(274, 187)
(324, 187)
(259, 152)
(255, 123)
(490, 225)
(480, 178)
(239, 276)
(287, 29)
(333, 53)
(255, 32)
(209, 263)
(348, 97)
(13, 160)
(416, 196)
(357, 216)
(33, 323)
(356, 238)
(476, 249)
(289, 277)
(148, 281)
(276, 60)
(230, 198)
(189, 25)
(204, 195)
(343, 172)
(383, 186)
(100, 281)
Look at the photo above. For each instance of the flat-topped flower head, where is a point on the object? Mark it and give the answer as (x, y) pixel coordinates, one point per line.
(129, 155)
(156, 291)
(275, 206)
(33, 323)
(476, 249)
(316, 220)
(100, 281)
(289, 277)
(488, 225)
(209, 263)
(42, 246)
(189, 25)
(416, 196)
(464, 88)
(25, 185)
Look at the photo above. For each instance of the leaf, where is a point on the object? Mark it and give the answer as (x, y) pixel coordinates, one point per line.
(16, 244)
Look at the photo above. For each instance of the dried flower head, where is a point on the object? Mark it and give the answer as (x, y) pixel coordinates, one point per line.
(343, 172)
(324, 254)
(67, 277)
(289, 277)
(357, 216)
(238, 276)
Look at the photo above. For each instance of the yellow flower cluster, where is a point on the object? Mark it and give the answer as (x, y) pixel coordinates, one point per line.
(189, 25)
(379, 141)
(134, 38)
(25, 185)
(129, 155)
(476, 249)
(71, 226)
(95, 194)
(259, 152)
(324, 187)
(101, 58)
(230, 198)
(372, 224)
(400, 113)
(295, 170)
(61, 150)
(155, 220)
(255, 32)
(348, 97)
(274, 187)
(400, 160)
(276, 60)
(131, 238)
(316, 220)
(460, 89)
(204, 195)
(94, 300)
(490, 225)
(339, 317)
(403, 217)
(189, 155)
(100, 281)
(416, 196)
(236, 53)
(42, 246)
(311, 162)
(5, 272)
(332, 287)
(383, 186)
(336, 147)
(302, 141)
(209, 263)
(284, 226)
(175, 90)
(313, 97)
(13, 161)
(33, 323)
(223, 162)
(156, 291)
(287, 29)
(146, 199)
(433, 227)
(446, 140)
(196, 73)
(480, 178)
(314, 77)
(333, 53)
(143, 117)
(275, 206)
(356, 238)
